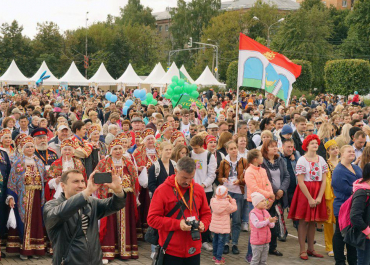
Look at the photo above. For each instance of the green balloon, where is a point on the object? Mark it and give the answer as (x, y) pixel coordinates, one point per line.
(170, 91)
(154, 102)
(175, 79)
(181, 82)
(178, 90)
(149, 97)
(167, 96)
(144, 102)
(173, 85)
(194, 87)
(195, 94)
(176, 98)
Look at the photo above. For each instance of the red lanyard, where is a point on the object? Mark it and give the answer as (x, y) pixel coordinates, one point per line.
(190, 207)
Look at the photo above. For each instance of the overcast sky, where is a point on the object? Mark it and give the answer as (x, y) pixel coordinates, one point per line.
(68, 14)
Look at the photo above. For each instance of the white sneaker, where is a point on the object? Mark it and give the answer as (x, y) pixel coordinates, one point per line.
(35, 257)
(105, 261)
(245, 226)
(152, 255)
(207, 246)
(23, 257)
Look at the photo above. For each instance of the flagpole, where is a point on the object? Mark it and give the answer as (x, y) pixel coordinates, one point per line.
(178, 101)
(237, 110)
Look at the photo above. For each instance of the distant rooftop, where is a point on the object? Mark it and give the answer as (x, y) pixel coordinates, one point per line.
(246, 4)
(162, 15)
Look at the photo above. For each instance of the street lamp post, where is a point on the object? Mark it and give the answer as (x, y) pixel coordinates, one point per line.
(215, 47)
(268, 28)
(86, 44)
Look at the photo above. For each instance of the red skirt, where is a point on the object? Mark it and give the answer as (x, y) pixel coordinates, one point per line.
(108, 242)
(34, 235)
(142, 224)
(300, 208)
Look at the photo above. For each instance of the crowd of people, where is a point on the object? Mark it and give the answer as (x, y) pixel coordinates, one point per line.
(246, 166)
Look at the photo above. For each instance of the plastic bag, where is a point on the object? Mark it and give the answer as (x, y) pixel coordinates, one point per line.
(143, 178)
(12, 222)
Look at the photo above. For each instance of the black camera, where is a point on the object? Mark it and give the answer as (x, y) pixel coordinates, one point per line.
(195, 234)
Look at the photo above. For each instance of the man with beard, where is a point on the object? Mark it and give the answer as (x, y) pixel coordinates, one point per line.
(42, 151)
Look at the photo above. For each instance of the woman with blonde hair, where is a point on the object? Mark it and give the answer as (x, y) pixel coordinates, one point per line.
(344, 138)
(265, 135)
(178, 152)
(224, 138)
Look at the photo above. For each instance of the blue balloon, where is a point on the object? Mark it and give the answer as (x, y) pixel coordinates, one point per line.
(113, 98)
(137, 93)
(107, 105)
(129, 103)
(142, 93)
(107, 95)
(124, 110)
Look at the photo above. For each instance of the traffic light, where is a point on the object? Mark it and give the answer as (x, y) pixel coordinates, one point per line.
(190, 43)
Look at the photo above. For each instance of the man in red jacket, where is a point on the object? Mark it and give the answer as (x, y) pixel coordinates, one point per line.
(182, 249)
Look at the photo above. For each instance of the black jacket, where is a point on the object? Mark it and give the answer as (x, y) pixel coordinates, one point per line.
(153, 181)
(284, 179)
(62, 219)
(360, 215)
(17, 130)
(297, 142)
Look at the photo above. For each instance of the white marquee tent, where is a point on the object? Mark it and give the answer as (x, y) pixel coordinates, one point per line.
(130, 78)
(102, 77)
(167, 78)
(51, 81)
(156, 75)
(207, 79)
(14, 76)
(73, 77)
(183, 70)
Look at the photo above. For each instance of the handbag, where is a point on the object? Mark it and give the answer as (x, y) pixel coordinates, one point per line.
(152, 235)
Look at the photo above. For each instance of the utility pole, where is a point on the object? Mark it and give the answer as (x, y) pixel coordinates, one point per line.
(86, 44)
(215, 47)
(268, 28)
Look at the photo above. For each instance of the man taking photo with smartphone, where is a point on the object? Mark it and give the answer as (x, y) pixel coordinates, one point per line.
(71, 220)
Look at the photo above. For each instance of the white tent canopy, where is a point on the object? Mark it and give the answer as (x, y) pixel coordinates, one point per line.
(52, 80)
(14, 76)
(167, 78)
(73, 77)
(156, 75)
(102, 77)
(129, 77)
(207, 79)
(183, 70)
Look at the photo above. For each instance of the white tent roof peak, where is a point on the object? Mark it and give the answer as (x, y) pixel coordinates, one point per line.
(167, 78)
(14, 76)
(183, 70)
(156, 75)
(73, 77)
(52, 80)
(129, 77)
(102, 77)
(208, 79)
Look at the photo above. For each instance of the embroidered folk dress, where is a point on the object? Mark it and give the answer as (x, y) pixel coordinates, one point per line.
(300, 208)
(117, 232)
(144, 158)
(25, 185)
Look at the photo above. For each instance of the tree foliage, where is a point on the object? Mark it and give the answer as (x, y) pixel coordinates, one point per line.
(343, 77)
(232, 75)
(304, 81)
(135, 13)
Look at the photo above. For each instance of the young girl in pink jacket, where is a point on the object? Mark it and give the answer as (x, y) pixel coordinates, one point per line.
(222, 206)
(260, 222)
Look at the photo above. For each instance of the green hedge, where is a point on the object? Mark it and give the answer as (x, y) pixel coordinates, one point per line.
(232, 75)
(343, 77)
(304, 81)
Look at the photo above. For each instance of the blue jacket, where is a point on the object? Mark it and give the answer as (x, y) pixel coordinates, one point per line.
(342, 183)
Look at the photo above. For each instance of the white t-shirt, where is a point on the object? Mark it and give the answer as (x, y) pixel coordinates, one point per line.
(185, 129)
(204, 174)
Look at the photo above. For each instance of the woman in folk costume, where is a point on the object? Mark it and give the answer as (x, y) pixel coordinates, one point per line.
(26, 197)
(6, 142)
(145, 156)
(99, 149)
(5, 167)
(64, 163)
(125, 138)
(119, 230)
(18, 146)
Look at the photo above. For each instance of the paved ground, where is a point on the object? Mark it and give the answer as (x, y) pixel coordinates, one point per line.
(290, 249)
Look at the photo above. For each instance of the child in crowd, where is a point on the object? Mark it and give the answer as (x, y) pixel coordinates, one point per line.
(222, 206)
(257, 181)
(260, 222)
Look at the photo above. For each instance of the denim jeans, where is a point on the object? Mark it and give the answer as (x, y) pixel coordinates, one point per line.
(236, 217)
(245, 212)
(250, 208)
(218, 245)
(363, 256)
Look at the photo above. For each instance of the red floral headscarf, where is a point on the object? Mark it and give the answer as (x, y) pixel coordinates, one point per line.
(308, 139)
